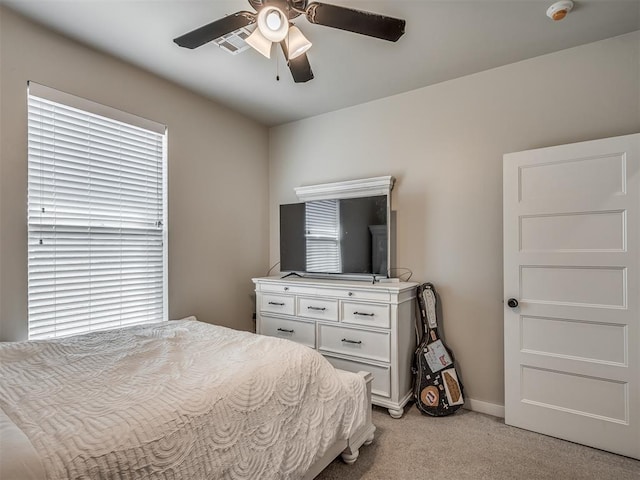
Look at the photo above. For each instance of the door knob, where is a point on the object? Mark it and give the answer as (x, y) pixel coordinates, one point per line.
(512, 302)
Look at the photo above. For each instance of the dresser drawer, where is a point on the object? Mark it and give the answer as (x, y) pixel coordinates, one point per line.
(373, 295)
(319, 308)
(277, 304)
(286, 289)
(381, 384)
(354, 342)
(369, 314)
(301, 332)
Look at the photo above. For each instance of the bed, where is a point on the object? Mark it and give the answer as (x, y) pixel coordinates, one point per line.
(178, 399)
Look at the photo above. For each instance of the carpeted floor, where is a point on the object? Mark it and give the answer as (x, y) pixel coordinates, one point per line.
(470, 445)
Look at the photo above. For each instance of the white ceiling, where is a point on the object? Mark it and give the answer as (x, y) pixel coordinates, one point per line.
(443, 40)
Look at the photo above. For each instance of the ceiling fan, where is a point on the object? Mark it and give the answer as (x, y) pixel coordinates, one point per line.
(273, 18)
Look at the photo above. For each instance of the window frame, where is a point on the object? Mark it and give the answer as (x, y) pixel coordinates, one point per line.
(111, 114)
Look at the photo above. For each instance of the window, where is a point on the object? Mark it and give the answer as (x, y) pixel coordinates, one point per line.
(322, 218)
(96, 216)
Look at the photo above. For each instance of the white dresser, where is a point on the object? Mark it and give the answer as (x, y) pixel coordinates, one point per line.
(355, 325)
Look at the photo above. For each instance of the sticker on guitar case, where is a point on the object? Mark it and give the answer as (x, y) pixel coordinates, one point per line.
(452, 387)
(432, 319)
(430, 396)
(437, 357)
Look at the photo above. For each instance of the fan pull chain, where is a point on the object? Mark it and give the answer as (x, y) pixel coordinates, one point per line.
(277, 67)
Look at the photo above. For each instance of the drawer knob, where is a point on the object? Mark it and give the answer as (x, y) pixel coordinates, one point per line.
(357, 342)
(350, 294)
(364, 314)
(280, 304)
(311, 307)
(285, 330)
(286, 289)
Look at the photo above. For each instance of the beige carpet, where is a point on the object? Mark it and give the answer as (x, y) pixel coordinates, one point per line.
(469, 445)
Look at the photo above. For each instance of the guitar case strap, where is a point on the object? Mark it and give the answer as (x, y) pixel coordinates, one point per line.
(438, 390)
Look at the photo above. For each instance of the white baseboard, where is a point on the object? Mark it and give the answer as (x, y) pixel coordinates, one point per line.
(484, 407)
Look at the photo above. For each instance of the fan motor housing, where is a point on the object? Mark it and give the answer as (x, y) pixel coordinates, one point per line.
(292, 8)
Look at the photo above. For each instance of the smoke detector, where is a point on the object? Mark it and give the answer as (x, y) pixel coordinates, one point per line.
(559, 10)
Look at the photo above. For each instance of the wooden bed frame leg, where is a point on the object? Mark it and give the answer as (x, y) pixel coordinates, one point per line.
(366, 433)
(369, 440)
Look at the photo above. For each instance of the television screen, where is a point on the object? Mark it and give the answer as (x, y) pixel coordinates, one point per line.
(343, 236)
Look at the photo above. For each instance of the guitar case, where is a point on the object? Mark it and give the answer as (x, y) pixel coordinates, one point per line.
(437, 390)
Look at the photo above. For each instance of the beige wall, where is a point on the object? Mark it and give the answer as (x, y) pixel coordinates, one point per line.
(217, 168)
(444, 144)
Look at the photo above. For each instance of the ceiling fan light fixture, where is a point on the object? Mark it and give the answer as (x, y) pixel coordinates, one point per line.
(273, 23)
(296, 42)
(272, 18)
(259, 43)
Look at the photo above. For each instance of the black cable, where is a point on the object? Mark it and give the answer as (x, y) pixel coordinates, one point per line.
(272, 267)
(406, 270)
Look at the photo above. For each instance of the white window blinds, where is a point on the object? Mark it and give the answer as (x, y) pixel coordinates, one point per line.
(96, 216)
(322, 225)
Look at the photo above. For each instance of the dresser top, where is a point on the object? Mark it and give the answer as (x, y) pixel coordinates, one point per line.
(389, 285)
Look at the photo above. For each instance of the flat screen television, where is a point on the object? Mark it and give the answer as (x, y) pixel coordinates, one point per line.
(347, 236)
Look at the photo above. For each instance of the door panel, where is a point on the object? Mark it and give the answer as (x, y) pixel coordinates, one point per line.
(601, 175)
(570, 338)
(571, 259)
(572, 232)
(604, 286)
(578, 394)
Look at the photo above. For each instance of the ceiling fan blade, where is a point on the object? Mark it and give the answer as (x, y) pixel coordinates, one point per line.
(300, 67)
(357, 21)
(216, 29)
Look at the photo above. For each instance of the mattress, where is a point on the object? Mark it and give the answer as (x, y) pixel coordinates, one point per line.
(178, 399)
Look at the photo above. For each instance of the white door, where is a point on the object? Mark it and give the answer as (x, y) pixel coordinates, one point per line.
(572, 262)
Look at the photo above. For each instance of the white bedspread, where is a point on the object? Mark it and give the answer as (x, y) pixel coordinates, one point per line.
(180, 399)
